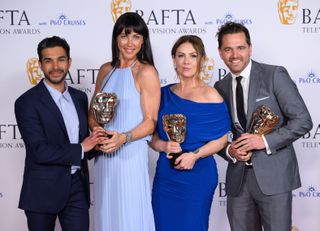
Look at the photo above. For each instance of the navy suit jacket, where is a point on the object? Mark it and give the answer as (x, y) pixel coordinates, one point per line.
(271, 86)
(49, 154)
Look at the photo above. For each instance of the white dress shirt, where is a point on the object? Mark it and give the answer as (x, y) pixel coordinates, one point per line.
(245, 83)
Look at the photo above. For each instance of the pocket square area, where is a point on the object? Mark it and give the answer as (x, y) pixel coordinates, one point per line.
(263, 98)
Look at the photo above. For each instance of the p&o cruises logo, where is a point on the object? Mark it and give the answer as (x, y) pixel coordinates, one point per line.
(63, 20)
(310, 78)
(230, 18)
(310, 193)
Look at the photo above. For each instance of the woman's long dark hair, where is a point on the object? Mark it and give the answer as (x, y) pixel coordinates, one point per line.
(132, 22)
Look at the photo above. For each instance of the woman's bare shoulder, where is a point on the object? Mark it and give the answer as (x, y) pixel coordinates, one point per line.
(212, 94)
(105, 68)
(146, 71)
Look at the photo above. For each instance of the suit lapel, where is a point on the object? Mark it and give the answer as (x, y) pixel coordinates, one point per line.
(49, 104)
(255, 80)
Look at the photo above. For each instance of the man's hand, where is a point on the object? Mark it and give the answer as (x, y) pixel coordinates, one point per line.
(96, 136)
(236, 152)
(248, 142)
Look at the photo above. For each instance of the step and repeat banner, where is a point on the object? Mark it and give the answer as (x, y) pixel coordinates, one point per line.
(283, 32)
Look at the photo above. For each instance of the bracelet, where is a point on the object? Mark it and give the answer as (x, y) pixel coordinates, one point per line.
(128, 137)
(196, 151)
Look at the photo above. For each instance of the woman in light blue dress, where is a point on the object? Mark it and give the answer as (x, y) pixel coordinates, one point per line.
(122, 197)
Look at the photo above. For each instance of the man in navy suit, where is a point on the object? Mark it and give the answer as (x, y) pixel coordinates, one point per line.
(52, 119)
(263, 169)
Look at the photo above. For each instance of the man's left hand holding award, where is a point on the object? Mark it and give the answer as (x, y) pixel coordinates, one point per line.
(263, 122)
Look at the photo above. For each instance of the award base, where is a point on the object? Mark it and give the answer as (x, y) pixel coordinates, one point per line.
(173, 159)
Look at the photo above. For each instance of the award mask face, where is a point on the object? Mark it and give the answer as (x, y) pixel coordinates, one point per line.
(104, 107)
(34, 72)
(119, 7)
(263, 120)
(175, 127)
(288, 10)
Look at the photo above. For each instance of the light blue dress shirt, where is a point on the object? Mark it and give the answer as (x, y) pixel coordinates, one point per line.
(69, 114)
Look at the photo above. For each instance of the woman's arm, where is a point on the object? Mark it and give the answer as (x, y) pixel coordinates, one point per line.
(148, 85)
(104, 70)
(160, 145)
(187, 160)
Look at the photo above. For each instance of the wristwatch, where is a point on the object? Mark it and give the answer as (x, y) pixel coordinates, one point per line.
(128, 137)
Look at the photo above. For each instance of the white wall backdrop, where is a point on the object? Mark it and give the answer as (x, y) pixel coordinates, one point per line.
(87, 26)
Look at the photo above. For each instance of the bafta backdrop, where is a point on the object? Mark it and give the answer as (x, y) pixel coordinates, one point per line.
(284, 32)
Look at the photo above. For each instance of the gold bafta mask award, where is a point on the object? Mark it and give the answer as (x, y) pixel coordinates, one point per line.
(174, 126)
(263, 120)
(104, 107)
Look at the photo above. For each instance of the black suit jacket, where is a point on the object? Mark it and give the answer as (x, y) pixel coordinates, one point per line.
(49, 154)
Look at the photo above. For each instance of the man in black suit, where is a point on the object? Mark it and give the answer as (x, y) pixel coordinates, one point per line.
(263, 169)
(52, 119)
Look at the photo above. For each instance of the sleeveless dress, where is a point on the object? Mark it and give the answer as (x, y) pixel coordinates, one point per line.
(182, 200)
(122, 195)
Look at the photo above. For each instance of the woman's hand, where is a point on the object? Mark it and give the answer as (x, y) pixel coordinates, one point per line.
(113, 143)
(186, 161)
(171, 147)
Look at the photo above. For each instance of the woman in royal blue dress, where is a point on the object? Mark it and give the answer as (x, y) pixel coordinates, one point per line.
(182, 195)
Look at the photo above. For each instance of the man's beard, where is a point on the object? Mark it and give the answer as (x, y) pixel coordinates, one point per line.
(56, 81)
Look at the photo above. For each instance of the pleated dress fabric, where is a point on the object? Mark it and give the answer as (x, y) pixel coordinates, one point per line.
(182, 199)
(122, 197)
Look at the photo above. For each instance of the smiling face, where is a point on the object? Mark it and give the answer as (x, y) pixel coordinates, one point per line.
(186, 61)
(129, 45)
(235, 52)
(55, 65)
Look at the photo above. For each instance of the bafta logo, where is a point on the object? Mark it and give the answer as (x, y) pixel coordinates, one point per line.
(34, 72)
(118, 7)
(206, 71)
(288, 10)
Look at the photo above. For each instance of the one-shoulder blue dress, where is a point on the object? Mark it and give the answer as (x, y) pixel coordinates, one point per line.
(182, 200)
